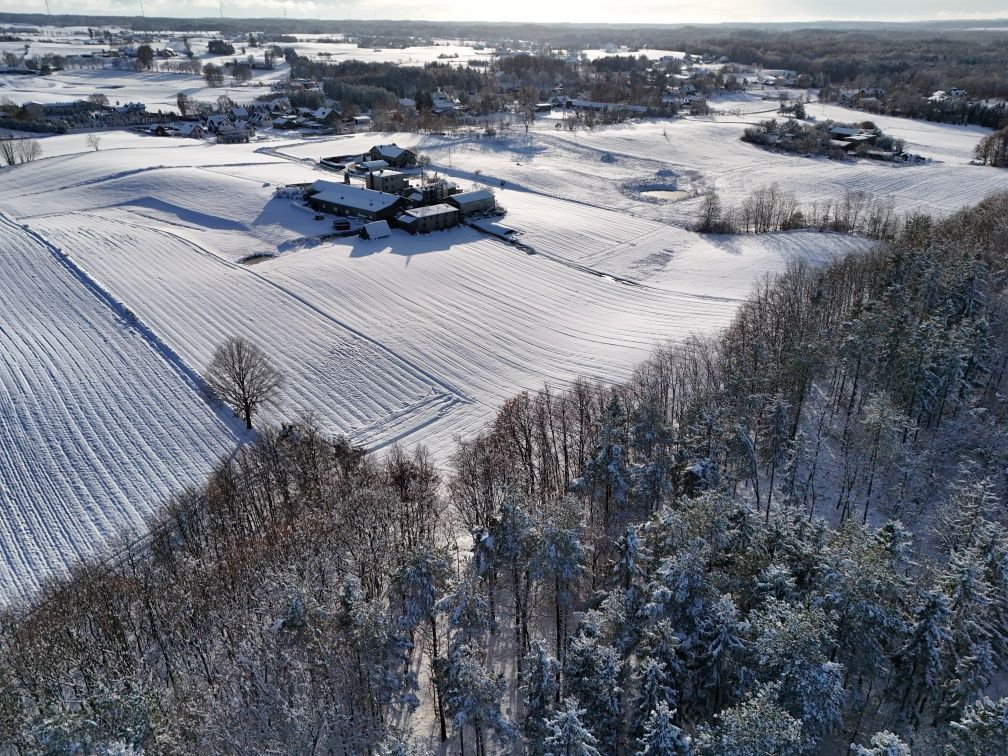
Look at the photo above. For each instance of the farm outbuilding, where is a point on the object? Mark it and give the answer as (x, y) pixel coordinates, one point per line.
(429, 218)
(386, 181)
(473, 202)
(376, 230)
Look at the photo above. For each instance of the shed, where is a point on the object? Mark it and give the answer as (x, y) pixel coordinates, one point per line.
(376, 230)
(474, 201)
(372, 165)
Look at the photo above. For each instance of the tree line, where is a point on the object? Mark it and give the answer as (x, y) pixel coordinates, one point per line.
(786, 538)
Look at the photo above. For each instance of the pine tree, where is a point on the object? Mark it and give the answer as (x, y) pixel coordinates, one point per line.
(518, 541)
(661, 737)
(628, 574)
(790, 647)
(473, 698)
(540, 690)
(568, 735)
(652, 691)
(882, 743)
(720, 646)
(559, 563)
(606, 475)
(754, 728)
(592, 673)
(920, 662)
(418, 584)
(982, 730)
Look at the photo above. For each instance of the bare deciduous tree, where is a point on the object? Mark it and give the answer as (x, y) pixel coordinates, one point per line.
(94, 141)
(14, 150)
(243, 376)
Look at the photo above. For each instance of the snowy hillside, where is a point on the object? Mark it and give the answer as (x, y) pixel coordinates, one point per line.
(406, 339)
(101, 419)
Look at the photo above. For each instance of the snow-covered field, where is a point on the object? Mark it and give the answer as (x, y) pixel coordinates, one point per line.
(120, 272)
(100, 420)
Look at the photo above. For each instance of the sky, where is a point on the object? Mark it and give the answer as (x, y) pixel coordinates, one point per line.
(573, 11)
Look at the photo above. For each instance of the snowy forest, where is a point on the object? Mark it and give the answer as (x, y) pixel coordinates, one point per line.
(789, 538)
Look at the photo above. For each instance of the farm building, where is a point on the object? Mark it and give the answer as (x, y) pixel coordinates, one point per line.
(376, 230)
(233, 135)
(386, 181)
(343, 199)
(372, 165)
(430, 218)
(474, 201)
(432, 192)
(393, 154)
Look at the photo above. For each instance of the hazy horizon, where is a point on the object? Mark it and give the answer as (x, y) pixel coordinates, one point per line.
(640, 12)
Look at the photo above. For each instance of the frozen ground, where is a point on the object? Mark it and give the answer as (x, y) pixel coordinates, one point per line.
(100, 419)
(128, 275)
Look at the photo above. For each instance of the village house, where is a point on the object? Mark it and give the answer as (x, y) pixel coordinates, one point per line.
(260, 120)
(343, 199)
(445, 103)
(394, 155)
(432, 192)
(130, 107)
(190, 130)
(215, 122)
(430, 218)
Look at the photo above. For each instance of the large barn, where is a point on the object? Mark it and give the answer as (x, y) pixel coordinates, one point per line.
(343, 199)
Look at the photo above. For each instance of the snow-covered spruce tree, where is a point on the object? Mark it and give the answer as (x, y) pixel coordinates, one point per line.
(982, 729)
(790, 650)
(473, 699)
(419, 584)
(717, 660)
(964, 516)
(652, 692)
(559, 564)
(756, 727)
(568, 735)
(628, 577)
(652, 472)
(539, 692)
(974, 627)
(882, 743)
(661, 737)
(919, 664)
(381, 646)
(605, 478)
(592, 672)
(517, 541)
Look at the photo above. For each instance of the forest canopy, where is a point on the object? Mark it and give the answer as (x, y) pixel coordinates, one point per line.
(788, 538)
